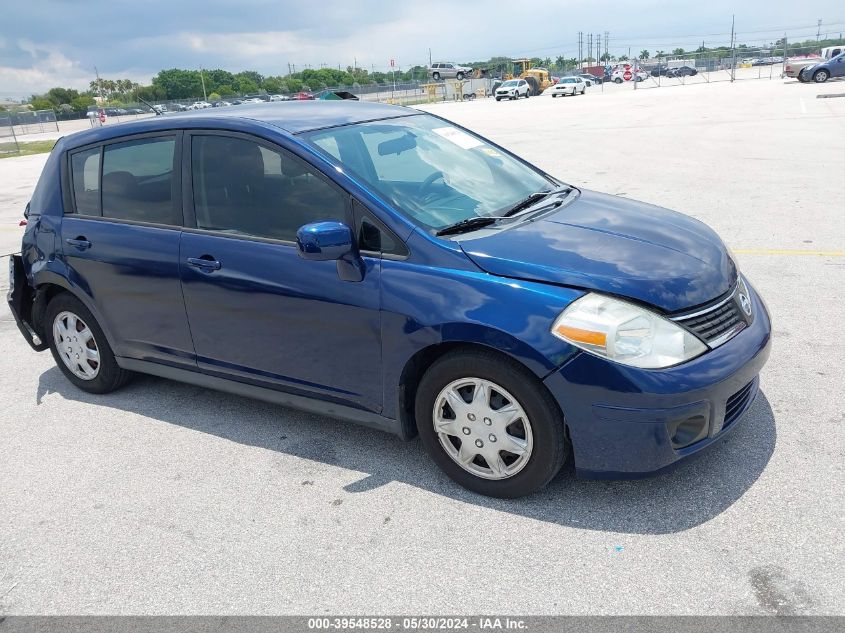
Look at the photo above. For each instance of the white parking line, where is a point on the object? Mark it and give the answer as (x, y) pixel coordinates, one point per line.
(803, 105)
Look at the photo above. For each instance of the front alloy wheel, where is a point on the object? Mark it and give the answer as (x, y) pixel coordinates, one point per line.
(820, 77)
(489, 423)
(483, 428)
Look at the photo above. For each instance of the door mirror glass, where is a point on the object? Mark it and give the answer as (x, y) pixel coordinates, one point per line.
(324, 241)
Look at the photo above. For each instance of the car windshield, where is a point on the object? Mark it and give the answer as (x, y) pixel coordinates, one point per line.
(509, 84)
(431, 171)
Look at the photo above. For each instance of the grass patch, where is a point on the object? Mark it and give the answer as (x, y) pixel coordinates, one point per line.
(7, 150)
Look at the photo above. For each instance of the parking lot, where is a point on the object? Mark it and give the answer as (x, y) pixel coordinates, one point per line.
(165, 498)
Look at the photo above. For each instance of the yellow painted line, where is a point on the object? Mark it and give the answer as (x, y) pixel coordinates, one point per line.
(11, 228)
(786, 251)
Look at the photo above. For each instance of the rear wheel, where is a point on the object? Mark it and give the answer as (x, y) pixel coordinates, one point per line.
(490, 424)
(80, 348)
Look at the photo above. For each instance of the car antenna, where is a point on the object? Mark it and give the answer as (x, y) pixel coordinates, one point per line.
(149, 105)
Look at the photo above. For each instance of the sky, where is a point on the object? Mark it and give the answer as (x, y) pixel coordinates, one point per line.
(59, 43)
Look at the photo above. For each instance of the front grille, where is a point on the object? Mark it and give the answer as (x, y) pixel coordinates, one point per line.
(736, 403)
(715, 324)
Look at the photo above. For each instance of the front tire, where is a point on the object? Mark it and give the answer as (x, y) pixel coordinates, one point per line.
(489, 424)
(459, 76)
(617, 81)
(80, 348)
(821, 76)
(435, 76)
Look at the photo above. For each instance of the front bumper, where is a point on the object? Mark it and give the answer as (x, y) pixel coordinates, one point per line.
(626, 422)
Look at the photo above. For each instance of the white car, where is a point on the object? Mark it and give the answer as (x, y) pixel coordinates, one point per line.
(513, 89)
(622, 74)
(199, 105)
(567, 86)
(279, 98)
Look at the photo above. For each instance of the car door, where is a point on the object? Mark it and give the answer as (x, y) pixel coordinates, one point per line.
(837, 67)
(257, 310)
(120, 242)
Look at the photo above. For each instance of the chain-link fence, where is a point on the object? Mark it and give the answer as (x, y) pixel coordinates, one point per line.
(34, 121)
(8, 139)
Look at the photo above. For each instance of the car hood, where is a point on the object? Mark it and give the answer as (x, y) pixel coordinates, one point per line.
(614, 245)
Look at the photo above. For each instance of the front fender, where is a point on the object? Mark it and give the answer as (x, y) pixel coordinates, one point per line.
(425, 306)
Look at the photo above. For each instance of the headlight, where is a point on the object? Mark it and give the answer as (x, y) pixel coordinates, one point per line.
(625, 333)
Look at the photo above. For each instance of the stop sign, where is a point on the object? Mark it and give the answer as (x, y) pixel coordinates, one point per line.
(627, 75)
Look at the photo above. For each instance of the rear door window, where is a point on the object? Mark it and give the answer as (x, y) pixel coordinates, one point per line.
(138, 181)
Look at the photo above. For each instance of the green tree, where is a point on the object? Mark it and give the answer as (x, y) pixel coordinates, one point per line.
(214, 97)
(40, 103)
(623, 58)
(560, 62)
(179, 84)
(660, 54)
(605, 57)
(547, 62)
(247, 81)
(82, 103)
(644, 54)
(679, 51)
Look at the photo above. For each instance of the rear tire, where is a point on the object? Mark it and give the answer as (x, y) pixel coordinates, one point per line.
(69, 324)
(530, 422)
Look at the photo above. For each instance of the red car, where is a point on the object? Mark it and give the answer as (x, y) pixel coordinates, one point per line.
(303, 96)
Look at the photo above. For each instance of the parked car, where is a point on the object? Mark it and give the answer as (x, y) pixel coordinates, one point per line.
(590, 79)
(682, 71)
(820, 73)
(659, 71)
(794, 67)
(567, 86)
(177, 107)
(513, 89)
(220, 104)
(279, 98)
(448, 70)
(159, 108)
(134, 111)
(621, 75)
(303, 96)
(286, 252)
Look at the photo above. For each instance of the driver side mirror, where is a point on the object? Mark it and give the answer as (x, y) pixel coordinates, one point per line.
(327, 241)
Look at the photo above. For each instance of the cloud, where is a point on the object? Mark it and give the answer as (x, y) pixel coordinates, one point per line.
(55, 42)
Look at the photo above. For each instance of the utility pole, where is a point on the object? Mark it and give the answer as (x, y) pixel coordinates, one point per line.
(606, 43)
(733, 48)
(580, 47)
(202, 79)
(819, 30)
(99, 85)
(429, 58)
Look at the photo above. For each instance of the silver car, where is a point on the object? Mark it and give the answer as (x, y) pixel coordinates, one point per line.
(448, 70)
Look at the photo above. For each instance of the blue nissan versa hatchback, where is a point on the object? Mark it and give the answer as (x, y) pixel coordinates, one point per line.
(384, 266)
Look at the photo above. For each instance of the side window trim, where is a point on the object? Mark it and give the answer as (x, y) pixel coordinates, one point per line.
(188, 198)
(360, 209)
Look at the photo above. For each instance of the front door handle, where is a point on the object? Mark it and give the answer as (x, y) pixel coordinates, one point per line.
(80, 242)
(206, 263)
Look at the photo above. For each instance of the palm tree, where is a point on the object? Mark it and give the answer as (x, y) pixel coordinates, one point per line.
(560, 62)
(678, 51)
(660, 54)
(644, 54)
(547, 62)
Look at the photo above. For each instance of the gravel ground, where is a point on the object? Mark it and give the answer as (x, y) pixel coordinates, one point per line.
(169, 499)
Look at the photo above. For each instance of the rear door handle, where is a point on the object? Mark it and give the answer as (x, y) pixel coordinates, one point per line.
(206, 265)
(80, 242)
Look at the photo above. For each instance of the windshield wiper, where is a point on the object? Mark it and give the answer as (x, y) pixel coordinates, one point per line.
(468, 224)
(532, 198)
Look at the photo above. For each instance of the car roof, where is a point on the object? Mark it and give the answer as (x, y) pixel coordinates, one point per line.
(292, 117)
